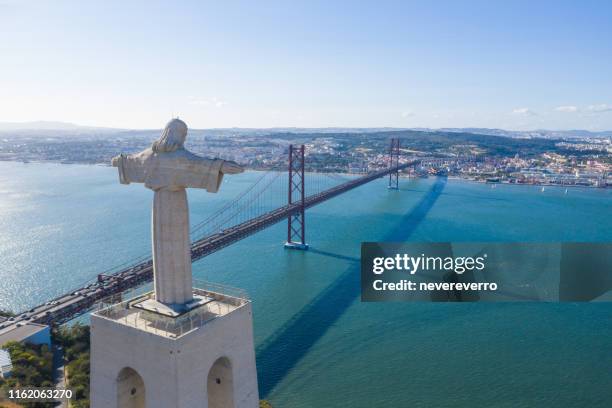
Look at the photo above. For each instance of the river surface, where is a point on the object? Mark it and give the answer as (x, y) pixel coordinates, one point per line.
(317, 344)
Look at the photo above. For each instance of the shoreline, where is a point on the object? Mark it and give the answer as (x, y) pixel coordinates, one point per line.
(464, 179)
(505, 183)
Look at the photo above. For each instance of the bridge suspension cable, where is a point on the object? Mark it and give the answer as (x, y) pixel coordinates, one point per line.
(201, 227)
(262, 204)
(268, 191)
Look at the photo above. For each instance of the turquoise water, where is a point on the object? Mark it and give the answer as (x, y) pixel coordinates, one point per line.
(317, 344)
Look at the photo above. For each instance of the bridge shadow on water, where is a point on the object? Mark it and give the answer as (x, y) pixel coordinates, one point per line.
(470, 196)
(333, 255)
(280, 352)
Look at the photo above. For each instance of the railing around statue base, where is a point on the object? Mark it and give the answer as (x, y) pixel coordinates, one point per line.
(220, 301)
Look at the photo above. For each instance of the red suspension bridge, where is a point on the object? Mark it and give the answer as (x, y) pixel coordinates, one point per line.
(250, 212)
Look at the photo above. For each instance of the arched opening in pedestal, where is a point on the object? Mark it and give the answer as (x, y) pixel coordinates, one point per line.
(130, 389)
(220, 384)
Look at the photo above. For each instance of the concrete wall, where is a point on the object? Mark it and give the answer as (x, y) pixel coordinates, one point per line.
(231, 337)
(114, 347)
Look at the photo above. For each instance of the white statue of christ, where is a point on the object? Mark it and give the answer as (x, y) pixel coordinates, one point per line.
(168, 169)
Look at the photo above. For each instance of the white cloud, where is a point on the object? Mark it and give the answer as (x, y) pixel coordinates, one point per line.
(523, 112)
(214, 101)
(567, 109)
(407, 114)
(604, 107)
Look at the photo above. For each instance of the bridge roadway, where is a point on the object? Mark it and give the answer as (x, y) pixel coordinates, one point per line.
(68, 306)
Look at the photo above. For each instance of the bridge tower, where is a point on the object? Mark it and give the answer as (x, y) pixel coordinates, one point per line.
(394, 162)
(296, 223)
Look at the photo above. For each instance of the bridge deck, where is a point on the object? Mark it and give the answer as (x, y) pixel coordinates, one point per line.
(69, 306)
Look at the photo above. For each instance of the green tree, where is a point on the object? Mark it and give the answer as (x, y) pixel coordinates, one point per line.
(75, 342)
(32, 367)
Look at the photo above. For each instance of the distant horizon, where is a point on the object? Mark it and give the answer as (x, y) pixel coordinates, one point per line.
(55, 125)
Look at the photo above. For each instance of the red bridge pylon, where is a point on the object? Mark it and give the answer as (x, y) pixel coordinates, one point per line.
(296, 223)
(394, 152)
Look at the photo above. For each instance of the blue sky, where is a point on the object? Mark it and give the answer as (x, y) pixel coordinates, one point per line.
(507, 64)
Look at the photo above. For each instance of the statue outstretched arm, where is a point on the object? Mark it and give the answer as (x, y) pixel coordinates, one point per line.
(231, 167)
(131, 168)
(118, 161)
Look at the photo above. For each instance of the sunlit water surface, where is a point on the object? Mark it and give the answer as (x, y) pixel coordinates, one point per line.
(317, 344)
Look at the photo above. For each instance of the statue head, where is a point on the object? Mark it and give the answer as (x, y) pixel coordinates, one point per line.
(172, 138)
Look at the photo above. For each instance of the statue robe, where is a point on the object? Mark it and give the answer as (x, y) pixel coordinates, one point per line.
(168, 174)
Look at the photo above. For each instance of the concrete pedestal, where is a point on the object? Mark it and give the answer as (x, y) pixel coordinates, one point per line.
(204, 358)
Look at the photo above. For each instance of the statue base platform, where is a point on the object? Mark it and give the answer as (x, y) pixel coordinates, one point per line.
(172, 310)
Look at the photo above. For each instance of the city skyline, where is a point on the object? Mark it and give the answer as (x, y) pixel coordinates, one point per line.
(517, 66)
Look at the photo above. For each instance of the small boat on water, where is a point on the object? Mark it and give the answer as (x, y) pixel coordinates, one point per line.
(543, 188)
